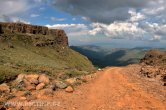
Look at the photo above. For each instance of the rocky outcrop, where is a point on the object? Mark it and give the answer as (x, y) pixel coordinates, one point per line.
(154, 65)
(0, 29)
(154, 58)
(59, 36)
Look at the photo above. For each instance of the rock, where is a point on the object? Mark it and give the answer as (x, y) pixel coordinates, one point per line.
(27, 93)
(10, 46)
(19, 93)
(45, 92)
(44, 79)
(52, 86)
(69, 89)
(99, 69)
(60, 84)
(30, 87)
(153, 65)
(164, 84)
(1, 106)
(40, 86)
(19, 107)
(14, 90)
(26, 83)
(33, 78)
(4, 88)
(20, 78)
(48, 91)
(23, 98)
(31, 97)
(71, 80)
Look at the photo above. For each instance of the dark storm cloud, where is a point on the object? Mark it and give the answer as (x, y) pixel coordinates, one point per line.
(105, 11)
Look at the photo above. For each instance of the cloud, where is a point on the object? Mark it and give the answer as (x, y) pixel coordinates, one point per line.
(118, 30)
(13, 19)
(72, 30)
(156, 38)
(136, 16)
(120, 19)
(106, 11)
(11, 9)
(155, 29)
(85, 18)
(34, 15)
(57, 19)
(74, 19)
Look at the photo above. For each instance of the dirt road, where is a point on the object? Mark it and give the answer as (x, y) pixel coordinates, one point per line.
(113, 89)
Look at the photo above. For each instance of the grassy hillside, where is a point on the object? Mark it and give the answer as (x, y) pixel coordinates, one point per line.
(102, 56)
(19, 55)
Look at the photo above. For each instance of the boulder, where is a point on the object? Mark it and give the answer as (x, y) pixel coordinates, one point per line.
(52, 86)
(45, 92)
(40, 86)
(44, 79)
(48, 91)
(71, 80)
(60, 84)
(19, 93)
(69, 89)
(23, 98)
(26, 83)
(4, 88)
(31, 97)
(2, 107)
(20, 78)
(31, 87)
(33, 78)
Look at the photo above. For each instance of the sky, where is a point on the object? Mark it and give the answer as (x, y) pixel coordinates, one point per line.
(115, 23)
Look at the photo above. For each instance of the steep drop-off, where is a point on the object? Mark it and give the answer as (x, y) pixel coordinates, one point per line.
(37, 49)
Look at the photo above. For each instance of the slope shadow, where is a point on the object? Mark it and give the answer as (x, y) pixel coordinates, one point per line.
(101, 60)
(113, 59)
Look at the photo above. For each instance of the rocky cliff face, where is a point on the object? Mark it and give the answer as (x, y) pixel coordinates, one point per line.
(154, 65)
(57, 36)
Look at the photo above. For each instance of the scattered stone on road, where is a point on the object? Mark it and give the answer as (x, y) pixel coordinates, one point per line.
(40, 86)
(69, 89)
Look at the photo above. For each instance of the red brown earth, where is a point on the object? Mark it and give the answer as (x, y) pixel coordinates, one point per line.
(113, 88)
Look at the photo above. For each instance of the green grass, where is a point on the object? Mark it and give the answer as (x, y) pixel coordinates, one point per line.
(73, 73)
(26, 58)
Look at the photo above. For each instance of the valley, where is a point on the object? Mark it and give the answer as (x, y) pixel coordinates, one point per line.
(103, 56)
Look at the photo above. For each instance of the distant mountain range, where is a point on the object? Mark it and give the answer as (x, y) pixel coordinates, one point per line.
(104, 56)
